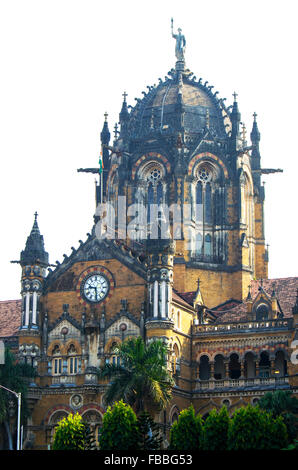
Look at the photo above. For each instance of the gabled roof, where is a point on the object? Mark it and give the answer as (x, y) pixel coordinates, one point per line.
(285, 290)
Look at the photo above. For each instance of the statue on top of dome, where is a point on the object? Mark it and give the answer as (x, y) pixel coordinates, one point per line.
(180, 43)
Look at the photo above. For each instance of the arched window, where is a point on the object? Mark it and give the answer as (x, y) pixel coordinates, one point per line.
(262, 312)
(175, 360)
(209, 214)
(204, 368)
(264, 364)
(57, 364)
(208, 204)
(219, 367)
(234, 366)
(113, 358)
(280, 364)
(154, 190)
(73, 360)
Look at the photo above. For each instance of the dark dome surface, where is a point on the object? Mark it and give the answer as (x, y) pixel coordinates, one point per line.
(163, 105)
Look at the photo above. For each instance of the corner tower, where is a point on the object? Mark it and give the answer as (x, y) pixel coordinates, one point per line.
(34, 260)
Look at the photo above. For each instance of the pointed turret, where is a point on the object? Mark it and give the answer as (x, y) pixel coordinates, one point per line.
(105, 140)
(123, 116)
(34, 252)
(34, 261)
(235, 119)
(255, 137)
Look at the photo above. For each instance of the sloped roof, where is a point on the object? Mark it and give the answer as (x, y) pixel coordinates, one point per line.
(10, 317)
(285, 290)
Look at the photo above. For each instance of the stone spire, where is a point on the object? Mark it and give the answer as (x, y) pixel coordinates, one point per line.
(255, 137)
(34, 252)
(235, 118)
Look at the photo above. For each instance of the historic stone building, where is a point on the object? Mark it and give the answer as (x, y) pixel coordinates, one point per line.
(193, 270)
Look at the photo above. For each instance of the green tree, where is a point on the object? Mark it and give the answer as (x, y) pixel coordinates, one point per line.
(72, 433)
(149, 437)
(216, 429)
(282, 403)
(141, 379)
(119, 428)
(187, 433)
(252, 428)
(14, 376)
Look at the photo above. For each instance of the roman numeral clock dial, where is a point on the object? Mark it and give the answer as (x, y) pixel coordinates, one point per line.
(95, 288)
(95, 285)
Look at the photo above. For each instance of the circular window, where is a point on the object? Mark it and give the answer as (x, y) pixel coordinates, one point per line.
(204, 174)
(154, 175)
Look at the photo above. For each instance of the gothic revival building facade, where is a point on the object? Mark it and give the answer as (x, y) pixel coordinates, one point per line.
(192, 271)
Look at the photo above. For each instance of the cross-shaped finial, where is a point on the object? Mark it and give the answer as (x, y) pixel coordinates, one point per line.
(255, 117)
(235, 95)
(35, 215)
(124, 96)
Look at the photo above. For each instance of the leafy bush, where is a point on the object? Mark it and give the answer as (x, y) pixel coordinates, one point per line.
(252, 428)
(216, 429)
(119, 428)
(282, 403)
(72, 434)
(187, 433)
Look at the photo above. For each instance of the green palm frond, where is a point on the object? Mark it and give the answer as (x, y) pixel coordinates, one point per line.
(142, 376)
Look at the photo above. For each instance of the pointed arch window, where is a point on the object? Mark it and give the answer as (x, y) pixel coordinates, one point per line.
(209, 197)
(154, 190)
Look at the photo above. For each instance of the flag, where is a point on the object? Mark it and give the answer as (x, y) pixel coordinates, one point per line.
(100, 164)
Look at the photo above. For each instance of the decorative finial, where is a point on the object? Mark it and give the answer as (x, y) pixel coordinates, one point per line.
(255, 117)
(116, 131)
(35, 215)
(124, 96)
(106, 116)
(235, 96)
(249, 293)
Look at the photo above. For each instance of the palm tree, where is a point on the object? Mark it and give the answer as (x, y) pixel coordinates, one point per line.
(14, 376)
(141, 377)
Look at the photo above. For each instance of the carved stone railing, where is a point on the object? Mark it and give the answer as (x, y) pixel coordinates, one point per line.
(63, 379)
(204, 385)
(243, 326)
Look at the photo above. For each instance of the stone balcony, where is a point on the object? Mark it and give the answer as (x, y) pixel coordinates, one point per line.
(242, 327)
(202, 386)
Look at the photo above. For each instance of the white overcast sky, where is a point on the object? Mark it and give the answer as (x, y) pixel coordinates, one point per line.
(63, 63)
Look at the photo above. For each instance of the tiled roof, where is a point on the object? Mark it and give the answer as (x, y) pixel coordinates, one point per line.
(285, 290)
(10, 317)
(188, 297)
(178, 297)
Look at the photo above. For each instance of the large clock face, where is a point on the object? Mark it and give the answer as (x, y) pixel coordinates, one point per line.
(95, 288)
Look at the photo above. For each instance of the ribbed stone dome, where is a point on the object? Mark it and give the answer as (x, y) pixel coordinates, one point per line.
(179, 101)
